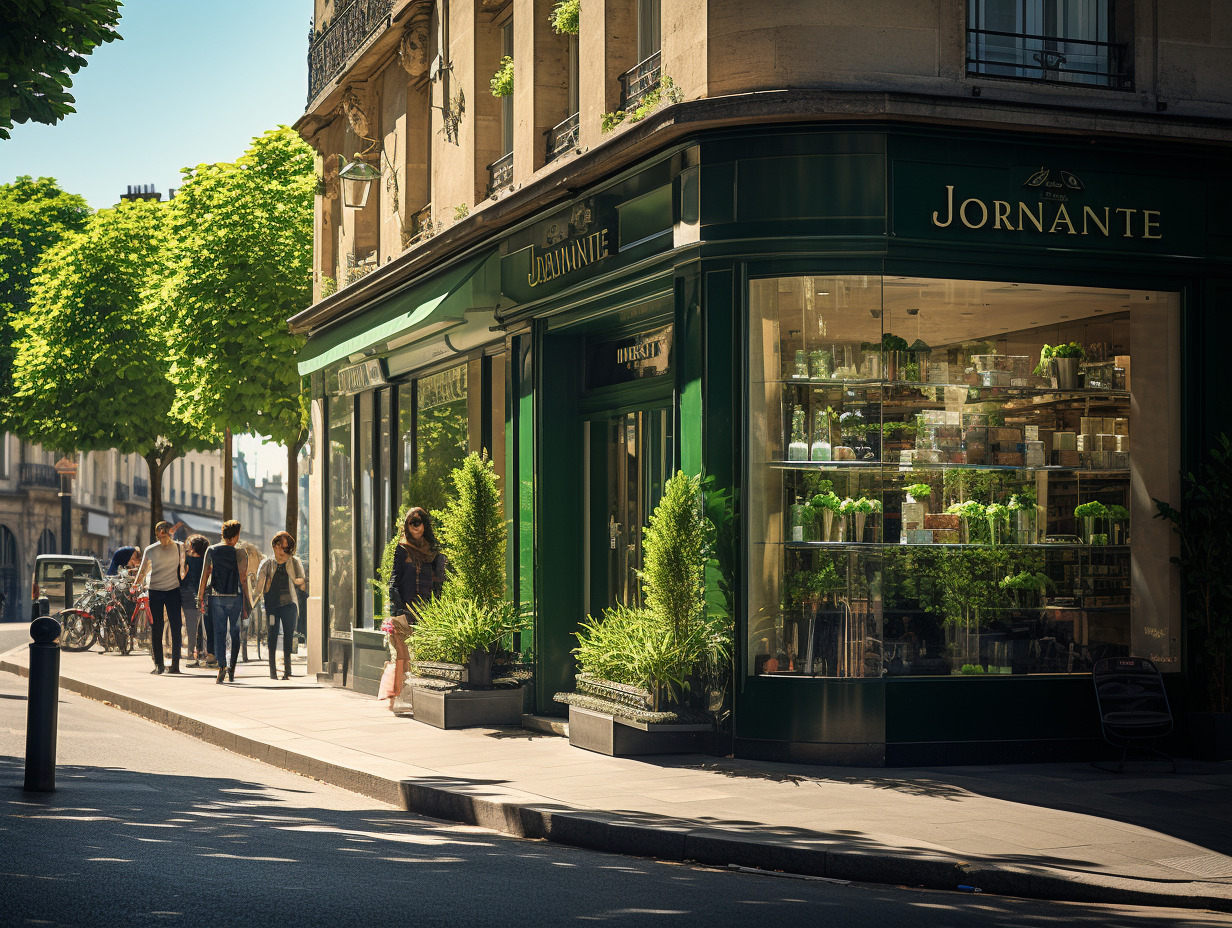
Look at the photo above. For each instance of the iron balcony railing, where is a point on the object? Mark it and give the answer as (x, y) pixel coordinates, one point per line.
(640, 80)
(349, 31)
(563, 137)
(37, 475)
(500, 174)
(1050, 58)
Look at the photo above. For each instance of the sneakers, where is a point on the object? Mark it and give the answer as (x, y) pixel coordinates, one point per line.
(194, 663)
(230, 674)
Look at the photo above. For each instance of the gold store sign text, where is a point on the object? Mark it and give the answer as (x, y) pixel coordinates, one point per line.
(570, 256)
(1042, 216)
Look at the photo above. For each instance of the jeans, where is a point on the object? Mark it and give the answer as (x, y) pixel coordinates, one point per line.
(192, 621)
(225, 615)
(285, 616)
(168, 601)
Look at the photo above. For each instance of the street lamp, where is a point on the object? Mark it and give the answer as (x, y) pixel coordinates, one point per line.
(357, 178)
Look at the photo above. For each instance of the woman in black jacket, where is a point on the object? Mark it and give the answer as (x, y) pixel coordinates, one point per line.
(418, 574)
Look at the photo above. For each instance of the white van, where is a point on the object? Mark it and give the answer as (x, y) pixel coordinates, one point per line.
(49, 578)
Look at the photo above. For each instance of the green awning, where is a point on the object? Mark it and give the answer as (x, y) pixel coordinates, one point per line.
(445, 298)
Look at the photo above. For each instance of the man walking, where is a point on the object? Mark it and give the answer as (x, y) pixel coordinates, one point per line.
(223, 575)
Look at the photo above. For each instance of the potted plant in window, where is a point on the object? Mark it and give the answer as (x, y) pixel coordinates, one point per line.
(1205, 534)
(1089, 513)
(639, 664)
(456, 636)
(1059, 363)
(1118, 519)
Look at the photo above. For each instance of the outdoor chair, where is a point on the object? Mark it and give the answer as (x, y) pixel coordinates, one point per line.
(1133, 705)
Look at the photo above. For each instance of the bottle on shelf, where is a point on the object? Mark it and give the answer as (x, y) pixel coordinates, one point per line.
(800, 370)
(820, 449)
(819, 365)
(796, 519)
(798, 449)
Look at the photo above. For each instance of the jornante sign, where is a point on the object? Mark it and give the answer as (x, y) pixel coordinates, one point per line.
(566, 248)
(636, 357)
(1053, 201)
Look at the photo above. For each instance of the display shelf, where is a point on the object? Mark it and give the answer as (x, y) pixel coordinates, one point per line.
(897, 546)
(985, 392)
(1122, 473)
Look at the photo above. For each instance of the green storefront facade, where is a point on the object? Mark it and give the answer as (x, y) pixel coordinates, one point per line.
(744, 291)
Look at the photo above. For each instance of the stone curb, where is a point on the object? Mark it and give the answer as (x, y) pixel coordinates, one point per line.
(525, 816)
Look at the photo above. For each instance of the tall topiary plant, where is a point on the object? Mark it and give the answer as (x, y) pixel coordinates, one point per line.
(471, 529)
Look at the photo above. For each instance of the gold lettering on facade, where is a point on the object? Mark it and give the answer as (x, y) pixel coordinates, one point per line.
(1037, 222)
(1062, 217)
(962, 213)
(566, 258)
(1048, 214)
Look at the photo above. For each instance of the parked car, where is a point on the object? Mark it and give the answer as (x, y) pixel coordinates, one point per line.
(49, 578)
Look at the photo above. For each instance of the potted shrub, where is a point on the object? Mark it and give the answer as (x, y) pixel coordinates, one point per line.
(1118, 519)
(639, 665)
(456, 636)
(1088, 514)
(1059, 363)
(1205, 534)
(825, 506)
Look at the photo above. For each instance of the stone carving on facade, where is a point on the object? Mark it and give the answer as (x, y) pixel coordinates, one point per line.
(413, 50)
(355, 107)
(328, 181)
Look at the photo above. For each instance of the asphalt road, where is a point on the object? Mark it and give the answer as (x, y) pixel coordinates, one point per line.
(149, 826)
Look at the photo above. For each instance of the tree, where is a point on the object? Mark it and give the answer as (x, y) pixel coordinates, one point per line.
(90, 370)
(240, 267)
(34, 214)
(41, 44)
(472, 532)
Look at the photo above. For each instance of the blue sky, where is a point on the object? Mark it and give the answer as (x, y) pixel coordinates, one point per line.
(191, 82)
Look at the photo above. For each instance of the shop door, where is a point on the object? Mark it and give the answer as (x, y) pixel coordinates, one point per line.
(630, 460)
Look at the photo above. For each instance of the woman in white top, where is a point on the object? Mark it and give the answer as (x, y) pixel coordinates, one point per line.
(277, 578)
(163, 561)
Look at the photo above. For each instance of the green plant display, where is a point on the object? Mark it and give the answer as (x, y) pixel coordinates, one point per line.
(890, 342)
(996, 515)
(460, 212)
(471, 529)
(1027, 587)
(502, 80)
(1118, 513)
(1091, 510)
(1066, 350)
(1205, 534)
(971, 669)
(919, 491)
(667, 91)
(452, 627)
(566, 17)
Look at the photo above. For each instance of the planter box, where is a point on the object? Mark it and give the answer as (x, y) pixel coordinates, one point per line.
(467, 708)
(1210, 735)
(606, 734)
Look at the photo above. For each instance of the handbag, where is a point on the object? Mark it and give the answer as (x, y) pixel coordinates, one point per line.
(388, 681)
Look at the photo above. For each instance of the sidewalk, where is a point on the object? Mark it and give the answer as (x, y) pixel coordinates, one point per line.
(1056, 831)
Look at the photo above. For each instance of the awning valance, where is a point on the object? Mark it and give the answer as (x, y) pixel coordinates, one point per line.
(420, 308)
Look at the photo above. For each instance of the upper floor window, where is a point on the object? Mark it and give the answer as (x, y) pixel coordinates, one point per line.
(649, 35)
(1064, 41)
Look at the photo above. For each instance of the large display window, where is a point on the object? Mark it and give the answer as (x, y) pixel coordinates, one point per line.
(956, 477)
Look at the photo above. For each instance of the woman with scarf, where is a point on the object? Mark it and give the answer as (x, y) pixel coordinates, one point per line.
(419, 573)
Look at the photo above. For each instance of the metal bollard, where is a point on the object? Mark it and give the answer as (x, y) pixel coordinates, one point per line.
(44, 606)
(43, 706)
(69, 574)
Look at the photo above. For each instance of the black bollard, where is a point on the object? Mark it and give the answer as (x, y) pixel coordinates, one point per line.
(43, 607)
(43, 706)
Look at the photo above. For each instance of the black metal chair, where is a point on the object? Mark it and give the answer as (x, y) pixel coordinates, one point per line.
(1133, 705)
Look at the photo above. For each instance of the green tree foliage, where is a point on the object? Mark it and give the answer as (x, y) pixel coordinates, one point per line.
(471, 529)
(676, 550)
(241, 266)
(34, 214)
(91, 368)
(42, 43)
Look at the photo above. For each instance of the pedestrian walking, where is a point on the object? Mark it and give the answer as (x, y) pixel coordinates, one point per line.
(126, 557)
(163, 562)
(194, 562)
(279, 577)
(223, 577)
(418, 574)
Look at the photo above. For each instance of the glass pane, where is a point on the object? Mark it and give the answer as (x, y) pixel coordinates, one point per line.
(928, 497)
(341, 518)
(367, 513)
(440, 437)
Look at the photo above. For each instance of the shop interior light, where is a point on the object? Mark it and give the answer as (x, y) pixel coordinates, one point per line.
(356, 178)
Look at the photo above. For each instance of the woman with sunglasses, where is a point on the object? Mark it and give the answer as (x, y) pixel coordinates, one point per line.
(277, 578)
(419, 573)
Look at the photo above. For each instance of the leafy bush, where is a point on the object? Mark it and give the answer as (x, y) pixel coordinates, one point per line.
(452, 627)
(502, 80)
(666, 91)
(471, 529)
(566, 17)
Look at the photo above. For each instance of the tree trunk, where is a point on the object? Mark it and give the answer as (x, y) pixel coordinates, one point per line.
(158, 459)
(228, 476)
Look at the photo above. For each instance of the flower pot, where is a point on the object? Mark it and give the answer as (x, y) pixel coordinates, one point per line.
(1088, 529)
(478, 674)
(827, 525)
(1064, 373)
(861, 518)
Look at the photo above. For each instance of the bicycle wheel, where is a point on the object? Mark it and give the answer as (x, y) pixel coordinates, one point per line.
(123, 640)
(77, 631)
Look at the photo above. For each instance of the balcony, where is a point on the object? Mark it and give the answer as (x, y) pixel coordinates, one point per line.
(38, 475)
(421, 227)
(141, 488)
(348, 32)
(122, 492)
(563, 137)
(500, 174)
(639, 81)
(1049, 59)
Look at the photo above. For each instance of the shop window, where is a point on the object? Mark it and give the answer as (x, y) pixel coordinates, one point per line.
(434, 425)
(367, 515)
(1067, 41)
(341, 535)
(924, 499)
